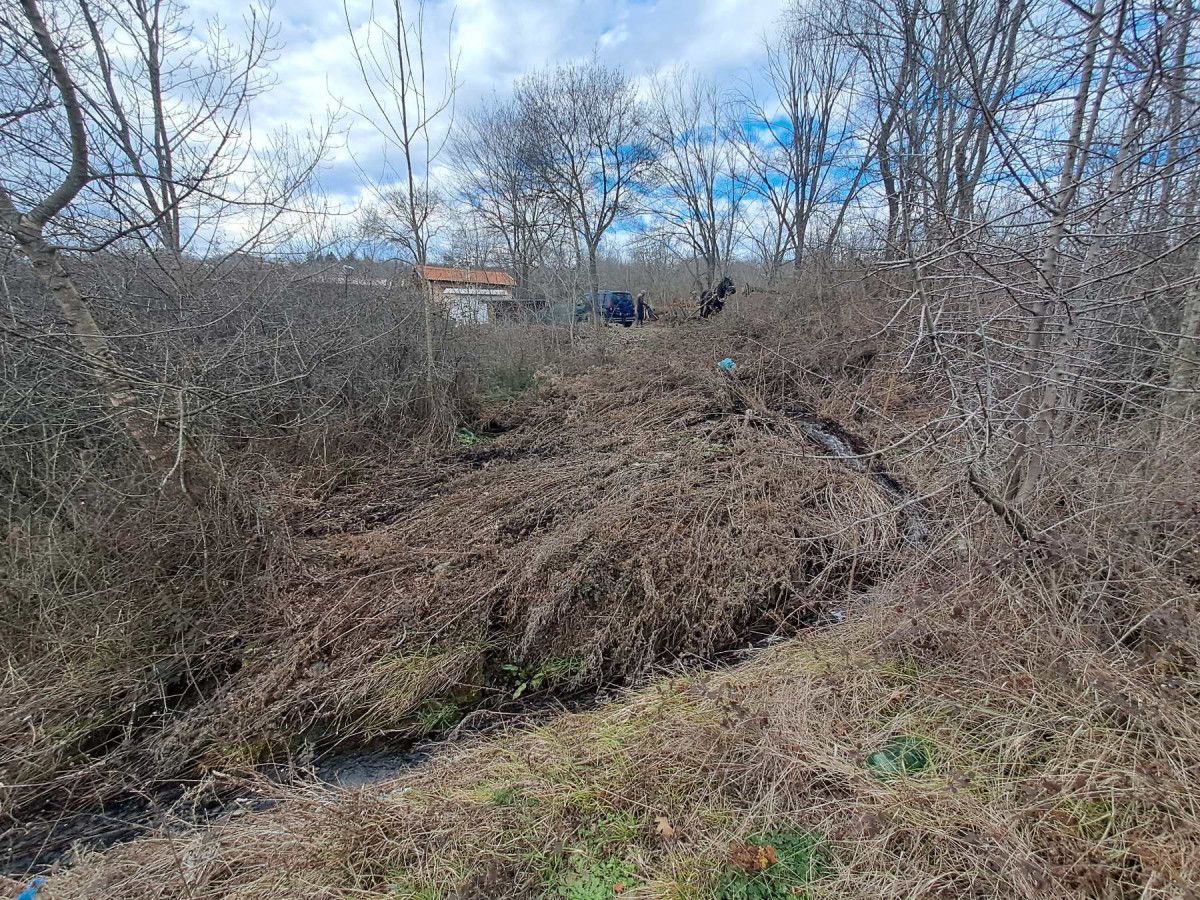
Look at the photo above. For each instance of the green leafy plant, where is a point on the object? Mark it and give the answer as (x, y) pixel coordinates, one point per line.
(595, 879)
(771, 866)
(597, 865)
(525, 678)
(465, 437)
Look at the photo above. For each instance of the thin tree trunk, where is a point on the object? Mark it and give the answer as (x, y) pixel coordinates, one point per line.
(430, 358)
(1176, 80)
(1184, 381)
(594, 286)
(1035, 417)
(166, 449)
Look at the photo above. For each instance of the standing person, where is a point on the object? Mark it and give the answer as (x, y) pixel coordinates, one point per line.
(644, 311)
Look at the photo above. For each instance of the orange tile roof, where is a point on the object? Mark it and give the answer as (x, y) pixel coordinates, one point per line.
(467, 276)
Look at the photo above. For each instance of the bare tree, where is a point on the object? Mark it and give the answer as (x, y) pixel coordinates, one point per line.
(390, 219)
(1025, 461)
(149, 152)
(880, 33)
(978, 70)
(1042, 206)
(795, 143)
(698, 185)
(413, 120)
(501, 192)
(171, 116)
(583, 136)
(62, 117)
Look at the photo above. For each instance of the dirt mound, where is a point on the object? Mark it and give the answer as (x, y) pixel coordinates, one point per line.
(974, 733)
(650, 512)
(632, 517)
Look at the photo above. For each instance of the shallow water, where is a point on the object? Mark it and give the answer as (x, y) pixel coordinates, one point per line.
(833, 439)
(359, 769)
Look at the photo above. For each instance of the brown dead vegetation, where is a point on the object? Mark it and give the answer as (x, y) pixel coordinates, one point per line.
(648, 512)
(636, 514)
(1061, 727)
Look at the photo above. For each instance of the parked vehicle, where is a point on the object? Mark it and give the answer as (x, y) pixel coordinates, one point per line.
(615, 306)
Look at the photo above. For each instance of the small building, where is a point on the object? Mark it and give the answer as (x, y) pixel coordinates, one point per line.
(470, 295)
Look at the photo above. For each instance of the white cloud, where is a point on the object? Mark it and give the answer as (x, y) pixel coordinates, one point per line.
(496, 41)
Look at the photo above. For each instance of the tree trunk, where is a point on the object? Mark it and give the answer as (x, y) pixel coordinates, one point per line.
(166, 449)
(1184, 383)
(1176, 78)
(1035, 413)
(893, 197)
(594, 286)
(430, 358)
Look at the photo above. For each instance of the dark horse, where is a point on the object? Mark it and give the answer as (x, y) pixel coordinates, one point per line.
(713, 301)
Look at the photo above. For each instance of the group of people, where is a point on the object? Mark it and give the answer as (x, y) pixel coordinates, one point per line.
(709, 302)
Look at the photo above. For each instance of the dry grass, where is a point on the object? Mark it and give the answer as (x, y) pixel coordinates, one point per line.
(1062, 764)
(634, 515)
(630, 517)
(116, 614)
(603, 525)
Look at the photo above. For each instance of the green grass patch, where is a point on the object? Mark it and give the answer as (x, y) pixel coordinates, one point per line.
(595, 879)
(772, 866)
(597, 864)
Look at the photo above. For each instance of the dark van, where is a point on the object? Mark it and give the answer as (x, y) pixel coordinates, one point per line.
(615, 306)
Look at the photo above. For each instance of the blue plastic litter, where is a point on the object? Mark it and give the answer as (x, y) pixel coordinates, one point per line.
(31, 892)
(727, 364)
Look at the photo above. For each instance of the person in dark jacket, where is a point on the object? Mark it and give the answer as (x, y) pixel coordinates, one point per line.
(644, 311)
(713, 301)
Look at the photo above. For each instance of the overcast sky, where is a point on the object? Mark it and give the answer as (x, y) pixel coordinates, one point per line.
(497, 41)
